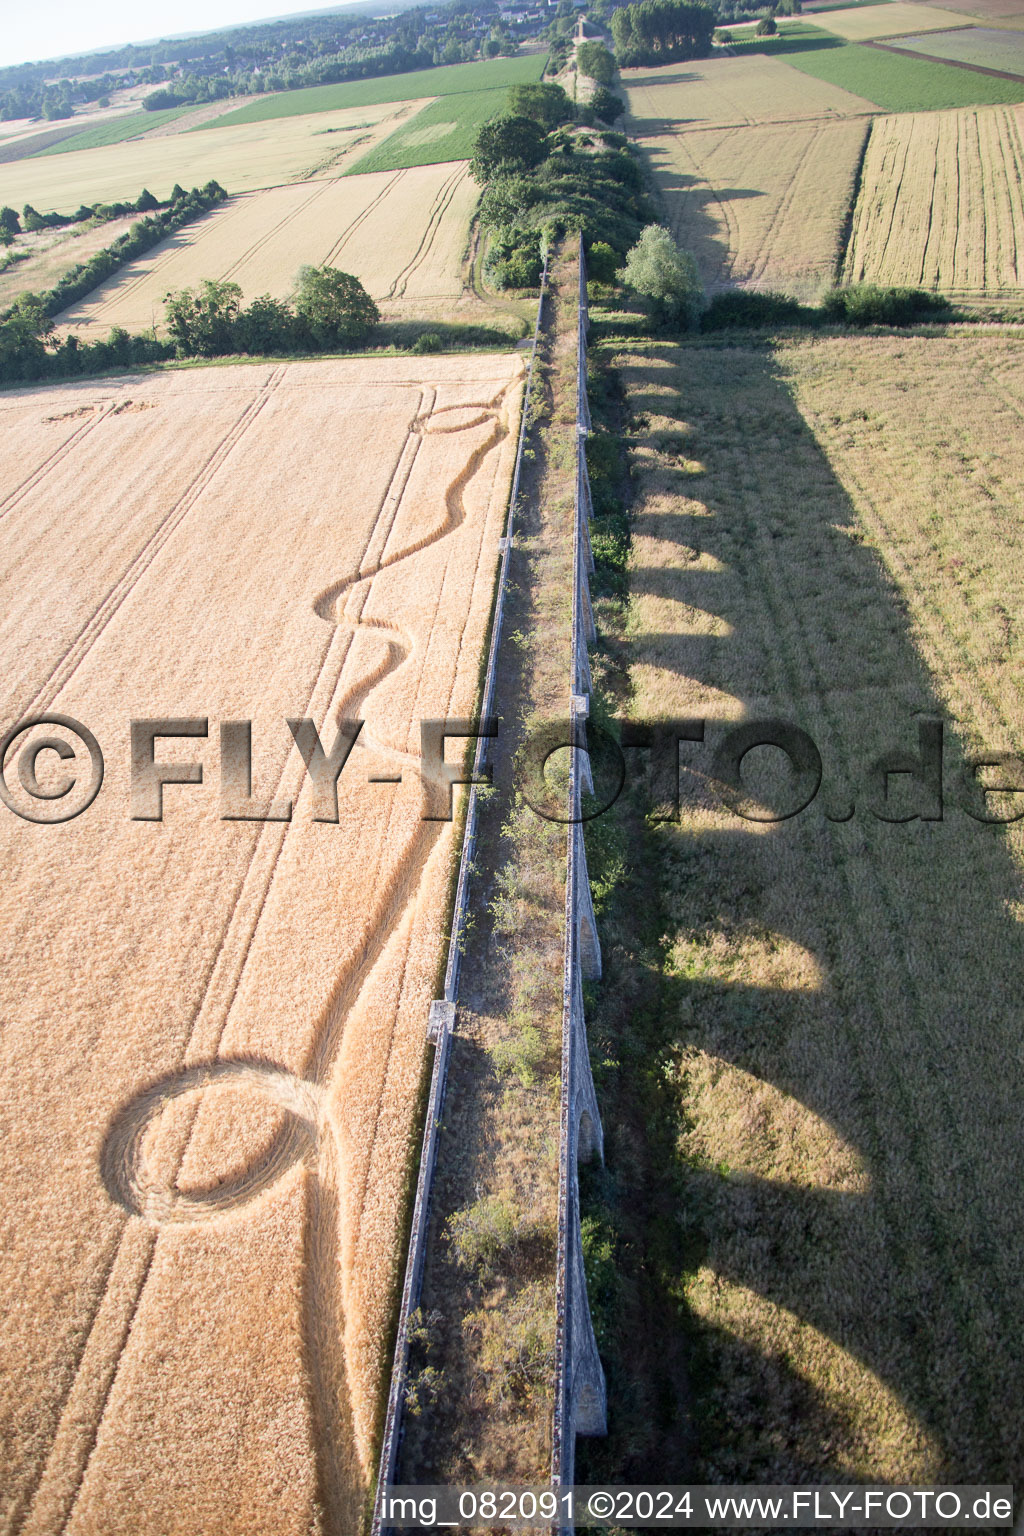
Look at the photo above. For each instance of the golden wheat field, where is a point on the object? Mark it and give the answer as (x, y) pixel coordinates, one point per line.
(243, 158)
(403, 233)
(940, 202)
(761, 207)
(729, 92)
(214, 1029)
(828, 533)
(862, 23)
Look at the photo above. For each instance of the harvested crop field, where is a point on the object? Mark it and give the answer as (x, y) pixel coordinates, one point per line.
(761, 207)
(940, 203)
(242, 159)
(862, 23)
(828, 533)
(988, 47)
(731, 92)
(402, 233)
(214, 1029)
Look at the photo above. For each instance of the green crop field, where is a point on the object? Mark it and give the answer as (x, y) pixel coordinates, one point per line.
(448, 80)
(446, 129)
(114, 132)
(899, 83)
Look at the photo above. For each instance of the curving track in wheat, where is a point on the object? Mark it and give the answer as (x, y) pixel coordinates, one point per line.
(209, 1150)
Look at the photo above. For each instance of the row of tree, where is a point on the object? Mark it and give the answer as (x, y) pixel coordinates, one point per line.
(331, 311)
(662, 31)
(29, 220)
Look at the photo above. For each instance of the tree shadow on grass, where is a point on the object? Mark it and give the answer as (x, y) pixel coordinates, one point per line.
(834, 1003)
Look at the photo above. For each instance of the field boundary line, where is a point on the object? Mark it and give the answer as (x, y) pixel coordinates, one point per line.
(932, 58)
(441, 1017)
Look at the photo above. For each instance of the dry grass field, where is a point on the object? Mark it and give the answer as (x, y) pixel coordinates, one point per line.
(940, 202)
(862, 23)
(761, 207)
(242, 157)
(403, 233)
(214, 1029)
(53, 252)
(729, 92)
(829, 532)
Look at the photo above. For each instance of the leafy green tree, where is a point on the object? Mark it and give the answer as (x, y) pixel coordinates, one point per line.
(266, 326)
(202, 324)
(546, 104)
(606, 105)
(766, 27)
(666, 277)
(508, 144)
(594, 61)
(333, 307)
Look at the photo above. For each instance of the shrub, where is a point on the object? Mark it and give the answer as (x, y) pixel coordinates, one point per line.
(521, 1056)
(485, 1231)
(866, 304)
(430, 341)
(602, 262)
(607, 107)
(203, 324)
(515, 258)
(160, 101)
(266, 326)
(741, 309)
(766, 27)
(515, 1343)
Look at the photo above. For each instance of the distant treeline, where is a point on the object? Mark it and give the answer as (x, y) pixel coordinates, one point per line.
(284, 55)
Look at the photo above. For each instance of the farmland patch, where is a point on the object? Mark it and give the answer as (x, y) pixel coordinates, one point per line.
(208, 1156)
(761, 207)
(241, 159)
(940, 203)
(899, 82)
(989, 47)
(402, 233)
(862, 22)
(837, 547)
(449, 79)
(732, 92)
(445, 129)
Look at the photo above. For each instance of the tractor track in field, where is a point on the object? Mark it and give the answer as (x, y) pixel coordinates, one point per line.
(308, 1136)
